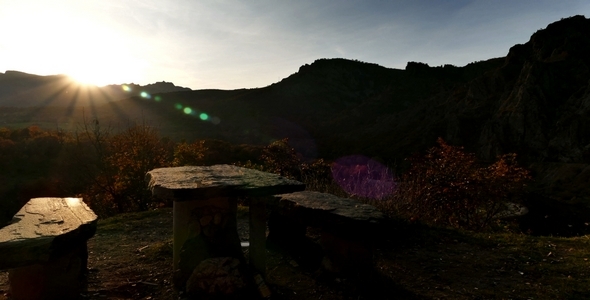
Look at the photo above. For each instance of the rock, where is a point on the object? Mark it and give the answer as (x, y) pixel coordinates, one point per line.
(218, 277)
(512, 210)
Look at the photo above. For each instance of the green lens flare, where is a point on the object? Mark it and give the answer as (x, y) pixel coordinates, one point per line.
(178, 106)
(188, 110)
(204, 116)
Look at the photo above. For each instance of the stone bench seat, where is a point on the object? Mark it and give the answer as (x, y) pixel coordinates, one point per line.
(348, 227)
(44, 248)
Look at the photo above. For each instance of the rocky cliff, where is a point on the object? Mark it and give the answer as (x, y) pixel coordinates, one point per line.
(534, 101)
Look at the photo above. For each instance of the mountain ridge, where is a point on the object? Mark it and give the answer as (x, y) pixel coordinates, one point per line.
(20, 89)
(535, 102)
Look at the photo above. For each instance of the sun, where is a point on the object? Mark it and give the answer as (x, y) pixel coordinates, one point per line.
(99, 55)
(91, 76)
(91, 72)
(97, 63)
(73, 41)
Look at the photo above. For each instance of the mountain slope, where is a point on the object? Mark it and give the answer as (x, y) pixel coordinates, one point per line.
(18, 89)
(533, 102)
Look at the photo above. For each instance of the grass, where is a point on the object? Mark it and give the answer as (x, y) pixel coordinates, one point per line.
(449, 263)
(420, 261)
(125, 221)
(458, 264)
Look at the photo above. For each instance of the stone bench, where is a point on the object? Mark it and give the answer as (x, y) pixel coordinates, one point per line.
(348, 227)
(44, 248)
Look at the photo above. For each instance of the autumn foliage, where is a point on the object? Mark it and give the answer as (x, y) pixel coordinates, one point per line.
(107, 167)
(113, 165)
(281, 158)
(448, 187)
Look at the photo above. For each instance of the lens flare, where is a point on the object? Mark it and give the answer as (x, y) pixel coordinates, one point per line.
(126, 88)
(362, 176)
(204, 116)
(158, 98)
(187, 110)
(145, 95)
(178, 106)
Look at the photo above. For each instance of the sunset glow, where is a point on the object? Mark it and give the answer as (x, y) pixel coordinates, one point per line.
(52, 40)
(248, 44)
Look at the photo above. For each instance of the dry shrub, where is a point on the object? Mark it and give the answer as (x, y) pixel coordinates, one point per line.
(364, 178)
(447, 187)
(214, 152)
(114, 166)
(280, 158)
(189, 154)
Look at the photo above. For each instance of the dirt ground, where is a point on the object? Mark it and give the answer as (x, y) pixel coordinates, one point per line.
(130, 257)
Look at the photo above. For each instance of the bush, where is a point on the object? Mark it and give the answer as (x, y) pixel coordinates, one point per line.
(447, 187)
(189, 154)
(114, 166)
(280, 158)
(363, 177)
(214, 152)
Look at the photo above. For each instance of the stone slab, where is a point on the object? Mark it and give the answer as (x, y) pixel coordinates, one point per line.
(205, 182)
(43, 228)
(330, 211)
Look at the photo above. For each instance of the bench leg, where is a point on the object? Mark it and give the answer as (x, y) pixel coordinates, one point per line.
(344, 255)
(284, 230)
(258, 235)
(60, 278)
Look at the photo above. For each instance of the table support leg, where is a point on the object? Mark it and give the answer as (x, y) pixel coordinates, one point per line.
(258, 235)
(203, 229)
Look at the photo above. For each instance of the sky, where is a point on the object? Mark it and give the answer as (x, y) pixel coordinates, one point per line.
(231, 44)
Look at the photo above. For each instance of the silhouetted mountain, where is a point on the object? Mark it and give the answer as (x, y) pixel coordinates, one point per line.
(122, 91)
(535, 102)
(18, 89)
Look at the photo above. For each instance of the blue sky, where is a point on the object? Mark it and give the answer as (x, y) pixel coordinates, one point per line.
(231, 44)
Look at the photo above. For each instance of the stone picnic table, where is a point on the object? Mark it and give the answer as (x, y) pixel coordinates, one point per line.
(204, 207)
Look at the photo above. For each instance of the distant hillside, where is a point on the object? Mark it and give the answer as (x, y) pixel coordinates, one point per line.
(18, 89)
(535, 102)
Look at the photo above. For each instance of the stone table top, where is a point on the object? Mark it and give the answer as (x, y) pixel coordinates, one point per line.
(32, 235)
(206, 182)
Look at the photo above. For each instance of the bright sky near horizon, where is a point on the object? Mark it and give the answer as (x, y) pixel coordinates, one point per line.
(230, 44)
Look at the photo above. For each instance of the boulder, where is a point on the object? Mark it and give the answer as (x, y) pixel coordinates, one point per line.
(217, 278)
